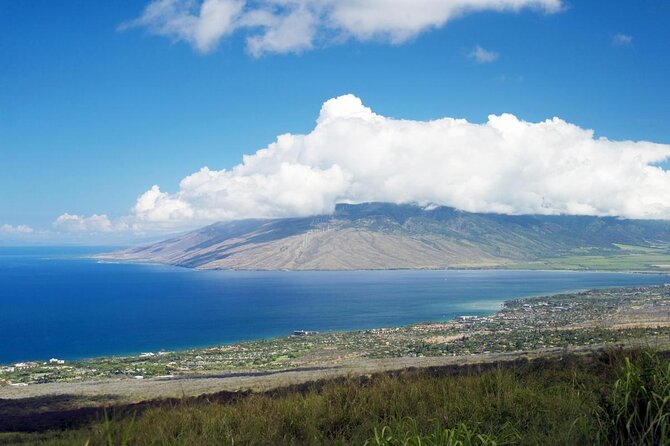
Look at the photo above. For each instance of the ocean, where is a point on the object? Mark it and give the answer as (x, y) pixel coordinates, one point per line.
(55, 303)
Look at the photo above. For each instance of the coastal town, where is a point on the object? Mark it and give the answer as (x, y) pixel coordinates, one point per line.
(597, 317)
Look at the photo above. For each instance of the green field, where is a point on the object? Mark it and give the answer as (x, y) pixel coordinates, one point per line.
(612, 398)
(626, 258)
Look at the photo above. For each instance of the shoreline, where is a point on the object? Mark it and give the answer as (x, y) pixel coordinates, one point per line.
(562, 320)
(193, 348)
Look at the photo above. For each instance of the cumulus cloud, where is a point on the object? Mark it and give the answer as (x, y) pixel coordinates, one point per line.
(505, 165)
(620, 39)
(480, 55)
(282, 26)
(77, 223)
(18, 229)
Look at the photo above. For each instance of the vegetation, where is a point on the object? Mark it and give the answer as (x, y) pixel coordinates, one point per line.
(622, 258)
(612, 262)
(613, 398)
(638, 411)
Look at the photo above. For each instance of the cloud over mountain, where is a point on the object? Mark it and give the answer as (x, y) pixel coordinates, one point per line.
(505, 165)
(282, 26)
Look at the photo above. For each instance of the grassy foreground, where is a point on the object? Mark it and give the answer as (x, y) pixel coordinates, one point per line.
(617, 397)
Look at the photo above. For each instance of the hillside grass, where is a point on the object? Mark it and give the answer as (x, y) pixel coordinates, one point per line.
(614, 398)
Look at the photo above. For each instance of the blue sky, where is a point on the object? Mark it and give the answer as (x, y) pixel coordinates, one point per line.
(91, 117)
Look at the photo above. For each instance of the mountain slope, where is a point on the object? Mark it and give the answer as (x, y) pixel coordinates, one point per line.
(382, 236)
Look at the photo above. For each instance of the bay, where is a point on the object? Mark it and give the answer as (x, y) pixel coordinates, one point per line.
(55, 303)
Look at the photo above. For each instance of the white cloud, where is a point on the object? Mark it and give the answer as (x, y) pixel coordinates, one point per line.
(480, 55)
(18, 229)
(282, 26)
(77, 223)
(620, 39)
(200, 24)
(504, 165)
(281, 33)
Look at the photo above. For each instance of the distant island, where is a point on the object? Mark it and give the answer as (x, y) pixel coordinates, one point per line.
(407, 236)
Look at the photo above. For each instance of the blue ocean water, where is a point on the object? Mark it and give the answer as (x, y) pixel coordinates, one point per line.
(53, 303)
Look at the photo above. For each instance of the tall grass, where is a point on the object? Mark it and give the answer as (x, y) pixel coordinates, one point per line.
(407, 434)
(114, 436)
(638, 409)
(503, 406)
(609, 400)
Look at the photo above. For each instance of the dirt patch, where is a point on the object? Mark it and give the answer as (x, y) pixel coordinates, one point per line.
(443, 339)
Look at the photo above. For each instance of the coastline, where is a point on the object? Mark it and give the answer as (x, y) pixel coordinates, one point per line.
(198, 347)
(564, 320)
(438, 304)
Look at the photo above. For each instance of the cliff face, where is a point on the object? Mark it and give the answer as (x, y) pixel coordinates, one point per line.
(384, 236)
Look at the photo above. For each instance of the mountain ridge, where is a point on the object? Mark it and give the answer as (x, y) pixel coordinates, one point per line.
(396, 236)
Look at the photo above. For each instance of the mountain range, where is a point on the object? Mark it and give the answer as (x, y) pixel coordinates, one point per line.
(393, 236)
